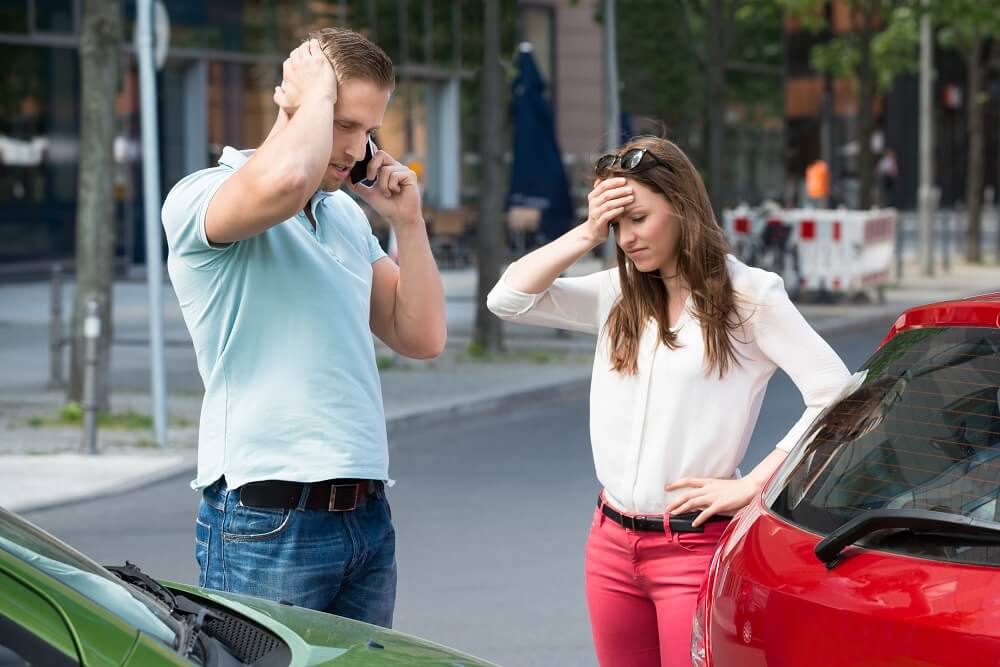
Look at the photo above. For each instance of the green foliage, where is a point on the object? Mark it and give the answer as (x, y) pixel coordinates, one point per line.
(476, 351)
(839, 56)
(662, 55)
(962, 20)
(893, 47)
(658, 61)
(894, 50)
(389, 22)
(758, 40)
(71, 414)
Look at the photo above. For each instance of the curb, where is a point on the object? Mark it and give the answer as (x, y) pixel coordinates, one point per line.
(183, 468)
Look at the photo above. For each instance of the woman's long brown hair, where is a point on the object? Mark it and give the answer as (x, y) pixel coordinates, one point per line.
(701, 260)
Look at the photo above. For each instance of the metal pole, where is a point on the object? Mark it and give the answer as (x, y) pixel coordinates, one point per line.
(925, 193)
(56, 329)
(151, 198)
(948, 221)
(91, 335)
(826, 123)
(611, 107)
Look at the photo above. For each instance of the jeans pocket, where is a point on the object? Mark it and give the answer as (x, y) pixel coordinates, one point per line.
(255, 524)
(202, 553)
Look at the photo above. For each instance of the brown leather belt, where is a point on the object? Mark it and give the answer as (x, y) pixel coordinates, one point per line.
(332, 495)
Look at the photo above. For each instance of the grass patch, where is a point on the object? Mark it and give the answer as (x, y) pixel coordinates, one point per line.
(385, 361)
(477, 353)
(71, 414)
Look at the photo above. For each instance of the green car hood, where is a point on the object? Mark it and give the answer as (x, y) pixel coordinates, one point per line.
(317, 639)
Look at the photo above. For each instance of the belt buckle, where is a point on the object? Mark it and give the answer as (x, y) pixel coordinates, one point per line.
(628, 522)
(348, 501)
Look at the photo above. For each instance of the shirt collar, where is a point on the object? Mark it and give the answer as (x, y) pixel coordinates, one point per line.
(234, 158)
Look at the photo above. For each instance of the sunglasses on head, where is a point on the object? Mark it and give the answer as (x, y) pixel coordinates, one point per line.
(628, 161)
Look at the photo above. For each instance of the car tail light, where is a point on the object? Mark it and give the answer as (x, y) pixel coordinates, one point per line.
(699, 637)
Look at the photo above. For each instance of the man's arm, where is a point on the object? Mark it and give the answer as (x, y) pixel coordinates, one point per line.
(281, 176)
(407, 304)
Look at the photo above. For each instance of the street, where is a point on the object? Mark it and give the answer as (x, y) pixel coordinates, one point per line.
(491, 514)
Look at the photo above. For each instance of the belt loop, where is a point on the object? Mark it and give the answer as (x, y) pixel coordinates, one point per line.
(601, 516)
(303, 497)
(225, 493)
(671, 535)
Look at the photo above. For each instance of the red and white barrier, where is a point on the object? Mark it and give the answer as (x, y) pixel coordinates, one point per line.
(839, 250)
(842, 250)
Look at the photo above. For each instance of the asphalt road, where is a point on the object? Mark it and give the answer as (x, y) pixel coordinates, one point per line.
(491, 515)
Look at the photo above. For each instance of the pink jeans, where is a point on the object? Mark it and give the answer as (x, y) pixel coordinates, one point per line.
(641, 591)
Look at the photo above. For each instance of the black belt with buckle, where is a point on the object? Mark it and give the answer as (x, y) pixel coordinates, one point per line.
(679, 523)
(332, 495)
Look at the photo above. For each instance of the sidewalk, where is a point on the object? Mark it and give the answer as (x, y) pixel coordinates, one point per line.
(41, 467)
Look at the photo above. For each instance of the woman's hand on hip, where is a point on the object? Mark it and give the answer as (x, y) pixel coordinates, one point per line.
(605, 203)
(711, 496)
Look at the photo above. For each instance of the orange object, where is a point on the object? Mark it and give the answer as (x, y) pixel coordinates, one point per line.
(818, 180)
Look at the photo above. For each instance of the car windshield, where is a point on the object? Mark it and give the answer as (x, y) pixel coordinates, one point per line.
(920, 429)
(35, 547)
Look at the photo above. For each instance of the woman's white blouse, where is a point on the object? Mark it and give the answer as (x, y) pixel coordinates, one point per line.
(672, 419)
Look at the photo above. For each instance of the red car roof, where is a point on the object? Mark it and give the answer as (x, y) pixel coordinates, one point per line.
(975, 311)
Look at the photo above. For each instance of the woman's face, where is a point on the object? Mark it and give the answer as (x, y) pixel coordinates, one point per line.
(649, 231)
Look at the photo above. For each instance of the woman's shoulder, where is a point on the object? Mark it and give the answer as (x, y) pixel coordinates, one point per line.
(751, 282)
(606, 280)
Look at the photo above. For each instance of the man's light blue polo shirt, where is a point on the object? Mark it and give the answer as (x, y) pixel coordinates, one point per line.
(280, 324)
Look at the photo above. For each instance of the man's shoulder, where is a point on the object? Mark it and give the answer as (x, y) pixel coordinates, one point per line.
(199, 181)
(191, 190)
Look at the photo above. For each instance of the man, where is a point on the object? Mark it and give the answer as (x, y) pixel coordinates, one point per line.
(281, 284)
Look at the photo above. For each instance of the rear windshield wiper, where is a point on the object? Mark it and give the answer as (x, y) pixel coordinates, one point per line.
(919, 521)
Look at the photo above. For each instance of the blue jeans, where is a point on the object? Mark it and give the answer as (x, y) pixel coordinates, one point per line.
(342, 563)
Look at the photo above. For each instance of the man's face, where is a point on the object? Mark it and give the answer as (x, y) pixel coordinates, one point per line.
(359, 111)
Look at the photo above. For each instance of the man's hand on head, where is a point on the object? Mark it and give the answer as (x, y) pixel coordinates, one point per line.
(307, 75)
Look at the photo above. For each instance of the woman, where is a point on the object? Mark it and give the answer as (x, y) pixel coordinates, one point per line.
(688, 339)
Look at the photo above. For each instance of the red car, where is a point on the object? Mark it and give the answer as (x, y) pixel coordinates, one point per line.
(878, 540)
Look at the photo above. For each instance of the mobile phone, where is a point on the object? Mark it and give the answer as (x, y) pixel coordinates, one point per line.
(359, 172)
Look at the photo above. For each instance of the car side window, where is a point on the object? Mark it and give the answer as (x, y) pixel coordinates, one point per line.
(32, 633)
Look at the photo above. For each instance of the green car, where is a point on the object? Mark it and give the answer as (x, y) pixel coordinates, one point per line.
(59, 608)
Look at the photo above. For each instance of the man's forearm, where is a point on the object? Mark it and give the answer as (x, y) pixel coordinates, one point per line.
(301, 147)
(419, 315)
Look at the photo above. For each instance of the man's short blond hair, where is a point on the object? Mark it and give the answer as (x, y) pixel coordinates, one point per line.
(355, 57)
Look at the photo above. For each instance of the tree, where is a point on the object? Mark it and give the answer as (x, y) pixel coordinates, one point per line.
(721, 53)
(971, 28)
(879, 45)
(100, 42)
(489, 332)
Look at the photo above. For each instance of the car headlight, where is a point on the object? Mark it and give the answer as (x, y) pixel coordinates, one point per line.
(699, 643)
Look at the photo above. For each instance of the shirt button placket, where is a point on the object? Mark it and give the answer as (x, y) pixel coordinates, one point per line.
(648, 346)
